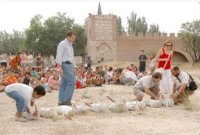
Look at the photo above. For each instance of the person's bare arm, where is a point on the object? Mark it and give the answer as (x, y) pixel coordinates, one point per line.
(157, 55)
(36, 111)
(147, 91)
(32, 103)
(182, 89)
(180, 92)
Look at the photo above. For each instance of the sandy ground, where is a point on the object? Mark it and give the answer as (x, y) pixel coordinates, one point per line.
(178, 120)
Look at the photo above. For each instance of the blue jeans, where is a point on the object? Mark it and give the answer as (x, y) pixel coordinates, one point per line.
(21, 103)
(68, 81)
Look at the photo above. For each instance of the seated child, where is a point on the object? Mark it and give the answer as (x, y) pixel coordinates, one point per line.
(54, 82)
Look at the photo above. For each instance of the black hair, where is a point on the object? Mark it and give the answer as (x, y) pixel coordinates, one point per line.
(40, 90)
(110, 69)
(70, 33)
(119, 70)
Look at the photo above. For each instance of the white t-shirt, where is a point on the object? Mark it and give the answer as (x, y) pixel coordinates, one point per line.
(130, 74)
(30, 58)
(110, 74)
(22, 89)
(145, 82)
(184, 78)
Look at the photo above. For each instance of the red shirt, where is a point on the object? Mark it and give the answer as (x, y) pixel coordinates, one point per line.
(164, 55)
(78, 84)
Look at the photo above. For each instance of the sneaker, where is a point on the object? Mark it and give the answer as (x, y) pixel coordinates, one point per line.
(20, 119)
(59, 104)
(67, 103)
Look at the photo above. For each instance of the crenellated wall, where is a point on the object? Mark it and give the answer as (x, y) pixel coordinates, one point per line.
(129, 46)
(104, 42)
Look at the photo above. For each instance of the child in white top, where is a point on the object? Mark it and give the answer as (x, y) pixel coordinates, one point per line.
(23, 95)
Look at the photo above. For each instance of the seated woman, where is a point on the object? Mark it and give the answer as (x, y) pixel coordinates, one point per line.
(89, 80)
(7, 79)
(54, 82)
(34, 72)
(10, 79)
(38, 61)
(109, 75)
(128, 77)
(26, 78)
(117, 76)
(15, 62)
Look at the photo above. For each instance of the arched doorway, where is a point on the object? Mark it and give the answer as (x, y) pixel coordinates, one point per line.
(179, 57)
(104, 51)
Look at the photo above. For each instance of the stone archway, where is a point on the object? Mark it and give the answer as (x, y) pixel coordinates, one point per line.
(104, 51)
(179, 57)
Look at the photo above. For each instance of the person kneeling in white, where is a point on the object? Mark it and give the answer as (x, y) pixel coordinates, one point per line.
(149, 85)
(23, 95)
(181, 82)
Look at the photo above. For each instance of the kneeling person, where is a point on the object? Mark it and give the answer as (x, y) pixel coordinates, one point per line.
(181, 83)
(148, 84)
(23, 95)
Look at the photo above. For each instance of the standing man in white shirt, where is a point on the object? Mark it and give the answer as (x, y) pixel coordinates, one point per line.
(65, 59)
(23, 95)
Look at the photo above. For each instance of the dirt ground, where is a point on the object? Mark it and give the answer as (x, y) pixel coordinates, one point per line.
(178, 120)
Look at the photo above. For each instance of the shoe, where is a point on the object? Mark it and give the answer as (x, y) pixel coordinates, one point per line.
(21, 119)
(67, 103)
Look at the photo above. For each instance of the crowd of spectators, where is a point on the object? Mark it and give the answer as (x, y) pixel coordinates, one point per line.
(25, 68)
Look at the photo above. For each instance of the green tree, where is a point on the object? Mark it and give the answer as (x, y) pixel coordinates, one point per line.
(56, 28)
(154, 28)
(81, 40)
(132, 22)
(34, 34)
(136, 24)
(144, 26)
(120, 28)
(44, 37)
(11, 43)
(190, 32)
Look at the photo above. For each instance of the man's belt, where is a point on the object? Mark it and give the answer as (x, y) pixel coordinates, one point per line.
(67, 62)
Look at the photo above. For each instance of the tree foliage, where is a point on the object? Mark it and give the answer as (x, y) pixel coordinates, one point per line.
(137, 24)
(44, 37)
(120, 28)
(81, 40)
(11, 43)
(154, 28)
(34, 34)
(190, 32)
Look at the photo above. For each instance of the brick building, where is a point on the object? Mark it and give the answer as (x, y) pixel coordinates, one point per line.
(103, 41)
